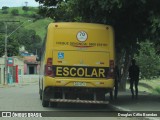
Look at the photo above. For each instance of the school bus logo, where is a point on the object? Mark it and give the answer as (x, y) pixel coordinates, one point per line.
(84, 72)
(82, 36)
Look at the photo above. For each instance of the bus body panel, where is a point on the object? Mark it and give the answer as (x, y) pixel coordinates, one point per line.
(81, 56)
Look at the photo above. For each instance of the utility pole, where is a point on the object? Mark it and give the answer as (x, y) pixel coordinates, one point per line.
(5, 51)
(5, 59)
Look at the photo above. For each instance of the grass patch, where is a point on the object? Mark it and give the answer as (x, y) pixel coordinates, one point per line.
(40, 25)
(156, 90)
(150, 86)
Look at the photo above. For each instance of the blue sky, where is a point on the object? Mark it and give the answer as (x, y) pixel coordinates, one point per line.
(17, 3)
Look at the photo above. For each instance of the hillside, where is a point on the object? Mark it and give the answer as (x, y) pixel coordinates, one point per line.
(30, 19)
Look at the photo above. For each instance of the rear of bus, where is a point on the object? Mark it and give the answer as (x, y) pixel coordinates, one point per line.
(78, 63)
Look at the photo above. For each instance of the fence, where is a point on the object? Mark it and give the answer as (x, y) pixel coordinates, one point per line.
(28, 78)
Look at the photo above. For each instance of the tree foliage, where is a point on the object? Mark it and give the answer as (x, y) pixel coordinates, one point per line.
(133, 21)
(5, 10)
(15, 12)
(148, 60)
(22, 37)
(25, 8)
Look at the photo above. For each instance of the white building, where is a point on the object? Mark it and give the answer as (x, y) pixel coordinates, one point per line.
(15, 68)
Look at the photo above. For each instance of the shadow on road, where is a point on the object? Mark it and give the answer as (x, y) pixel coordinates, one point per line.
(145, 101)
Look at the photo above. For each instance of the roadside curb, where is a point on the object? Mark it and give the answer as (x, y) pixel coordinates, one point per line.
(7, 86)
(15, 85)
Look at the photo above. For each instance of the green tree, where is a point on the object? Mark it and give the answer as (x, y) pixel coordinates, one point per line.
(132, 20)
(32, 45)
(29, 40)
(12, 44)
(148, 60)
(15, 12)
(22, 37)
(5, 10)
(1, 45)
(12, 47)
(25, 8)
(2, 27)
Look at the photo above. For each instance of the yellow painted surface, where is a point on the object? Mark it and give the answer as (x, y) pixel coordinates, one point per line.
(70, 82)
(80, 53)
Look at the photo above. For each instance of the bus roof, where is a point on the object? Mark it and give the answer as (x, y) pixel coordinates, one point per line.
(79, 25)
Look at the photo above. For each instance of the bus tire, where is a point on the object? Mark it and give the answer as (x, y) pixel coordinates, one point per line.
(40, 94)
(45, 103)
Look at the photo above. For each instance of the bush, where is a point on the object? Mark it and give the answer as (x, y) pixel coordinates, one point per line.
(36, 16)
(157, 90)
(5, 10)
(15, 12)
(148, 60)
(25, 8)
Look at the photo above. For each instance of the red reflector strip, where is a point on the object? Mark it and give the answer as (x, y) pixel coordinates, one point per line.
(48, 68)
(49, 62)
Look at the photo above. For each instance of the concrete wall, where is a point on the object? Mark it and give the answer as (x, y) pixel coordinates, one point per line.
(20, 64)
(23, 79)
(17, 62)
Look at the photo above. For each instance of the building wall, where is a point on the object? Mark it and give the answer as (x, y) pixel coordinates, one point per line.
(30, 69)
(20, 64)
(16, 62)
(25, 68)
(30, 65)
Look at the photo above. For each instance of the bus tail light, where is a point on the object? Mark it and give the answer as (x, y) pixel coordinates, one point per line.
(49, 68)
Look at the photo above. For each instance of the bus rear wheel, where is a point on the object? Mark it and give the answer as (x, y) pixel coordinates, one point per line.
(45, 103)
(40, 94)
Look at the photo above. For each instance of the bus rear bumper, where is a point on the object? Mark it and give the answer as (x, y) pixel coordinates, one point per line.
(78, 82)
(78, 101)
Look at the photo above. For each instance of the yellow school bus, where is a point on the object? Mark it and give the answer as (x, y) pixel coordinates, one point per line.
(77, 63)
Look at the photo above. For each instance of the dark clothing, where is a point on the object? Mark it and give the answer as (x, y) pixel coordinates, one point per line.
(134, 72)
(134, 78)
(132, 82)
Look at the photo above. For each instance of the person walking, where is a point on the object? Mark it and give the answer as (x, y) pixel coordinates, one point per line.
(134, 78)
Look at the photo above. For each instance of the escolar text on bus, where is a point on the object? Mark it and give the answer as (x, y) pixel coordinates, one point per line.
(76, 71)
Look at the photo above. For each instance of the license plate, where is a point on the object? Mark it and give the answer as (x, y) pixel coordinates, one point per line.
(79, 84)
